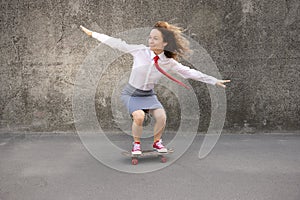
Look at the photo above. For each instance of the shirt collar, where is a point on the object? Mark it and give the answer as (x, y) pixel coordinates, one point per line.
(161, 55)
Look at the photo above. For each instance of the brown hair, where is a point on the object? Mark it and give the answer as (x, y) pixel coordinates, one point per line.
(178, 46)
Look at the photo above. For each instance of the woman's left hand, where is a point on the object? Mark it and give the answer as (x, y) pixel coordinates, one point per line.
(222, 83)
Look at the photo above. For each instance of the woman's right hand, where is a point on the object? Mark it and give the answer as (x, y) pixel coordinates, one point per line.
(87, 31)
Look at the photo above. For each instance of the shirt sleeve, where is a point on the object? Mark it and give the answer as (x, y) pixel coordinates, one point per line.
(117, 43)
(189, 73)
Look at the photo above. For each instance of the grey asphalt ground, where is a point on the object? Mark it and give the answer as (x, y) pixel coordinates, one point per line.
(240, 167)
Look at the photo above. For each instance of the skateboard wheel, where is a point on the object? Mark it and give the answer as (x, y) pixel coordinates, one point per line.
(163, 159)
(134, 161)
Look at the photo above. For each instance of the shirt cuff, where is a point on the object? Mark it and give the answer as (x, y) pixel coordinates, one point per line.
(101, 37)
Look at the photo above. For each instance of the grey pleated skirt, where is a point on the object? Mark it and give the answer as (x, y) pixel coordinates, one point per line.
(135, 99)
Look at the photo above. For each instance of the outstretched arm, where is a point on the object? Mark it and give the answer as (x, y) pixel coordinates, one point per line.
(187, 72)
(113, 42)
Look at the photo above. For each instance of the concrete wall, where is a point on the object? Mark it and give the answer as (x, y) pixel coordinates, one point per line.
(254, 43)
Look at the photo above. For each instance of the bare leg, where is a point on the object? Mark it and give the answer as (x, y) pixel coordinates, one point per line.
(160, 122)
(137, 125)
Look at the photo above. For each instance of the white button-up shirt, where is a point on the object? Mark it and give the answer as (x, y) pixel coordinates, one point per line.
(144, 74)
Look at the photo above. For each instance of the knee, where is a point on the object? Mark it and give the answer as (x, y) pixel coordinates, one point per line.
(138, 117)
(163, 117)
(160, 115)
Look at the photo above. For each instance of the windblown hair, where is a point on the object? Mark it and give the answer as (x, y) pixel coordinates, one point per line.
(178, 46)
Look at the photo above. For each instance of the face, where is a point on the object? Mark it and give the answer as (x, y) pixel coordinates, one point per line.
(155, 41)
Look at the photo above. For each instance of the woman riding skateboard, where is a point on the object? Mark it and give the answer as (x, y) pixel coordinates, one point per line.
(166, 45)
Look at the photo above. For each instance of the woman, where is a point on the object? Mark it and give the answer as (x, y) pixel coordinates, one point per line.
(166, 45)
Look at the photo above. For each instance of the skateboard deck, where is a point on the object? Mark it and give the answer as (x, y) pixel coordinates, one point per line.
(147, 153)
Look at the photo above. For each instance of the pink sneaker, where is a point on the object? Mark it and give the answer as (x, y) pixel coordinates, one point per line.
(136, 148)
(159, 147)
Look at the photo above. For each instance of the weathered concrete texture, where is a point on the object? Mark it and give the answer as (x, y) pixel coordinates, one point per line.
(254, 43)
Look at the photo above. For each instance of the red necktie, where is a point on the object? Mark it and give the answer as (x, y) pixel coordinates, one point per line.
(166, 74)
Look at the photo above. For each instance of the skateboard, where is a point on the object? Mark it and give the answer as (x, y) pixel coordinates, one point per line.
(147, 153)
